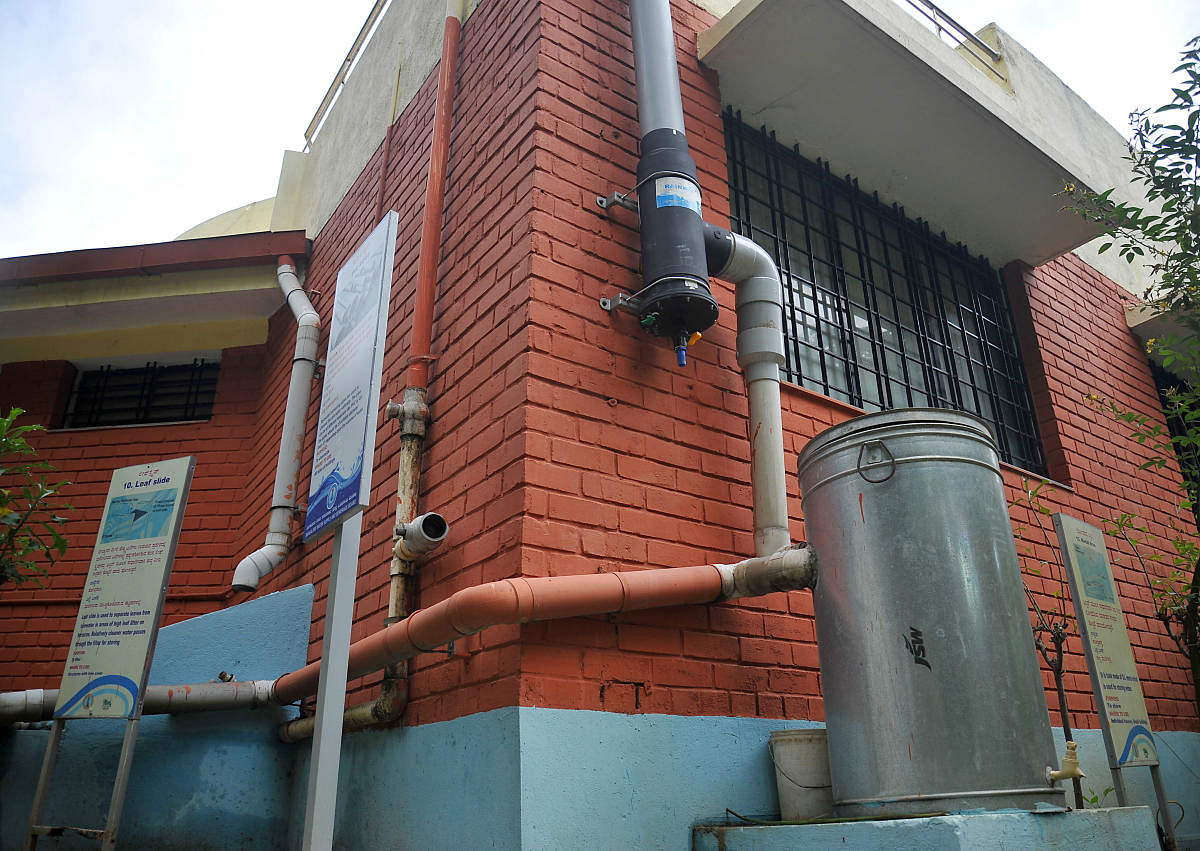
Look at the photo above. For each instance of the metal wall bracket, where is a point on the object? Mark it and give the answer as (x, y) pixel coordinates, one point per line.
(621, 302)
(616, 199)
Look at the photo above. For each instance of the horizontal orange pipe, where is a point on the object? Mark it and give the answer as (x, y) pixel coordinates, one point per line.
(509, 601)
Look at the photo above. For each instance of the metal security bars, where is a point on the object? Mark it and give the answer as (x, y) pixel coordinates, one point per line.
(155, 393)
(878, 311)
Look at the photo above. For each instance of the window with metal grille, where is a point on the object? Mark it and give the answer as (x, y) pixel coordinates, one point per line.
(878, 311)
(155, 393)
(1178, 410)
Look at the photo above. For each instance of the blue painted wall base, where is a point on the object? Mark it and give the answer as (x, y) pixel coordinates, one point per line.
(1125, 829)
(214, 780)
(544, 778)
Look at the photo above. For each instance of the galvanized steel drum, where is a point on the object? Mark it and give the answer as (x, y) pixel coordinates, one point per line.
(933, 696)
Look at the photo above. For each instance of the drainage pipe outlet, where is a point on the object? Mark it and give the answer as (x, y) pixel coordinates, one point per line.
(262, 561)
(423, 535)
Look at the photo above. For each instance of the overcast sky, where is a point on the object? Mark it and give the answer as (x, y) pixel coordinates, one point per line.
(129, 121)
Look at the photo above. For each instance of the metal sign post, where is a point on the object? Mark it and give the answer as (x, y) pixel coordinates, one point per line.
(341, 488)
(331, 690)
(1115, 684)
(112, 646)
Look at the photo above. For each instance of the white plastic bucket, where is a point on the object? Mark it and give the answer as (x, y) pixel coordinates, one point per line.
(802, 774)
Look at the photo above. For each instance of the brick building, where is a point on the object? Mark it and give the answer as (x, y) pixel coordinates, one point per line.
(563, 440)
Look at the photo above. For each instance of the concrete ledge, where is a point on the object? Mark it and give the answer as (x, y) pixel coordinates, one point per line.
(1118, 829)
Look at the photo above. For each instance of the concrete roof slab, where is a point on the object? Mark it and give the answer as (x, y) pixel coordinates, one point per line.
(864, 86)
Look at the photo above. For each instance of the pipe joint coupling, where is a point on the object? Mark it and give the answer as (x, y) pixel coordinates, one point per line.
(420, 536)
(412, 411)
(763, 343)
(790, 569)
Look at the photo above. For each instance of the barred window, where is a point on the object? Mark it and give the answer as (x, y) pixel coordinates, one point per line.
(878, 311)
(154, 393)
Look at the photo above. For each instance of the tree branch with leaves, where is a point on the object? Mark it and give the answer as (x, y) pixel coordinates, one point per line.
(30, 519)
(1164, 236)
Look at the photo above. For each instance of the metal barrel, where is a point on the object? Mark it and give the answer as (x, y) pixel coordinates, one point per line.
(933, 695)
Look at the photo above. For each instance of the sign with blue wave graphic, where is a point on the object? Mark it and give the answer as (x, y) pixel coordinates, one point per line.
(1115, 682)
(123, 595)
(341, 473)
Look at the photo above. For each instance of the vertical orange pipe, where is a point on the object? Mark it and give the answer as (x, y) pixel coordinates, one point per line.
(435, 197)
(383, 170)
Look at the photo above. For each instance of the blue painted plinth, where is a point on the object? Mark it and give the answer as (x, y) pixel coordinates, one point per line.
(536, 778)
(216, 780)
(1120, 829)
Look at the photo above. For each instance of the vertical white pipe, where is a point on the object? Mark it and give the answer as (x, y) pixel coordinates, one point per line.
(262, 561)
(760, 354)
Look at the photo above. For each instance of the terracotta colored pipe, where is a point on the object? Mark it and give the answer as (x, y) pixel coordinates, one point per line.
(521, 600)
(514, 601)
(435, 198)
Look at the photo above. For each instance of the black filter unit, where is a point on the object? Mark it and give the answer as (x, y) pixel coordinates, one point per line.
(675, 301)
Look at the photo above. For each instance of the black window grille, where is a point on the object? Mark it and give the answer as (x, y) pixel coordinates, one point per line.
(155, 393)
(879, 312)
(1178, 410)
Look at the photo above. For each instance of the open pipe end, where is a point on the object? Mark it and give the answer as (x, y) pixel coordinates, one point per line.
(423, 535)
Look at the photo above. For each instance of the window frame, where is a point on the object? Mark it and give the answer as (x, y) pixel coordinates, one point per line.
(156, 393)
(880, 312)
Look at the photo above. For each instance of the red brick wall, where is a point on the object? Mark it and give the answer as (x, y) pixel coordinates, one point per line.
(39, 388)
(566, 441)
(631, 461)
(36, 624)
(1086, 350)
(473, 470)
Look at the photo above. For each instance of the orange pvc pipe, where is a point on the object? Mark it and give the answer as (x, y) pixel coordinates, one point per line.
(507, 601)
(435, 200)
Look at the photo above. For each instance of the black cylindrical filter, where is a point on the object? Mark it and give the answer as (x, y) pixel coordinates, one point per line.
(675, 301)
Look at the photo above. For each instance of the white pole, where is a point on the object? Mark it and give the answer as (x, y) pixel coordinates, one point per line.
(323, 767)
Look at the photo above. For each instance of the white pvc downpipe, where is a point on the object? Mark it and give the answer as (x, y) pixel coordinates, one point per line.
(760, 353)
(262, 561)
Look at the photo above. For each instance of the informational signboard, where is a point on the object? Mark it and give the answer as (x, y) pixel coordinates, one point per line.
(341, 474)
(123, 596)
(1110, 661)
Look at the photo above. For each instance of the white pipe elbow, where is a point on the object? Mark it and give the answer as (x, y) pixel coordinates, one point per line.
(258, 564)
